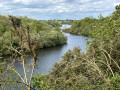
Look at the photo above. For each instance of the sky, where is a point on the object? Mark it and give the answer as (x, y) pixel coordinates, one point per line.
(58, 9)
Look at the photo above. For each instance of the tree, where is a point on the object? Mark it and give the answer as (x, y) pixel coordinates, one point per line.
(26, 44)
(117, 7)
(100, 16)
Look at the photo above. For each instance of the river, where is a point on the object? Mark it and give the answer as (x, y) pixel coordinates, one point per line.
(48, 56)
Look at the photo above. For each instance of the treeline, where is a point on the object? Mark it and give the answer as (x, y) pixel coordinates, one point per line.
(82, 27)
(59, 22)
(47, 34)
(89, 25)
(67, 21)
(98, 68)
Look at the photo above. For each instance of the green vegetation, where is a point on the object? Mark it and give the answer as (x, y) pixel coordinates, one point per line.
(98, 68)
(56, 23)
(47, 34)
(83, 26)
(67, 21)
(20, 36)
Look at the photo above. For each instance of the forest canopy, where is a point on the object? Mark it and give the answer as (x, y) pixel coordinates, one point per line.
(47, 33)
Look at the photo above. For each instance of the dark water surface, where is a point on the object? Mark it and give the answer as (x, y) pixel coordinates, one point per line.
(48, 56)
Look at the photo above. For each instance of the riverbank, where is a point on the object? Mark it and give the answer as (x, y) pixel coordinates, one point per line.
(45, 33)
(82, 27)
(99, 68)
(49, 56)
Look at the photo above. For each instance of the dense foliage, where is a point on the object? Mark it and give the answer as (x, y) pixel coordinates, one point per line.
(83, 26)
(19, 36)
(98, 68)
(46, 33)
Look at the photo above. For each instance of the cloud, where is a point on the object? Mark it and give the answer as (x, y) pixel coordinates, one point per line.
(51, 9)
(116, 4)
(26, 2)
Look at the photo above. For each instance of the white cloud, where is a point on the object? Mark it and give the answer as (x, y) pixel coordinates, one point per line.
(84, 1)
(28, 2)
(25, 1)
(116, 4)
(1, 5)
(57, 7)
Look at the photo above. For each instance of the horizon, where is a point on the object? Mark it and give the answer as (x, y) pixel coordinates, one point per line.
(58, 10)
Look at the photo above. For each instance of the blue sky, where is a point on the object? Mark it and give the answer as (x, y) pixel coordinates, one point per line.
(58, 9)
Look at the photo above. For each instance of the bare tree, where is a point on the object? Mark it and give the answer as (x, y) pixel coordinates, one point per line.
(26, 44)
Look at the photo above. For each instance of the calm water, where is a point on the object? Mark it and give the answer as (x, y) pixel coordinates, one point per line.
(48, 56)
